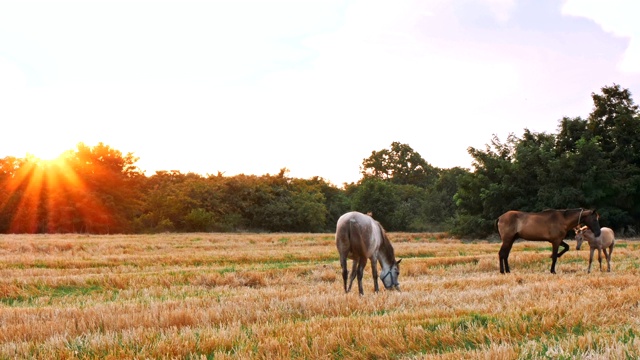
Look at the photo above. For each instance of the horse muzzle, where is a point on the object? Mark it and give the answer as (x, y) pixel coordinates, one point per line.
(394, 287)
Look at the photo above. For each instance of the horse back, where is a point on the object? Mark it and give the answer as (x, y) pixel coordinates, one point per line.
(542, 226)
(606, 238)
(356, 235)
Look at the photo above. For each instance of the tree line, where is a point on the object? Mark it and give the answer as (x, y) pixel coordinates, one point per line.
(591, 163)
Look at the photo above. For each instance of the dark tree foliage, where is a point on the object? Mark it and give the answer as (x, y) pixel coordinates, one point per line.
(592, 163)
(570, 131)
(336, 201)
(190, 202)
(483, 194)
(614, 121)
(396, 207)
(439, 208)
(404, 192)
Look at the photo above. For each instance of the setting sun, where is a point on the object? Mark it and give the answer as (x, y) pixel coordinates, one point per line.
(47, 152)
(48, 193)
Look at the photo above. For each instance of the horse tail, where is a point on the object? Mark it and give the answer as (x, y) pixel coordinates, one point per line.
(351, 222)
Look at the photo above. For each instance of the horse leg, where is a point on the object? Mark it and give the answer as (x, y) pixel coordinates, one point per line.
(600, 258)
(590, 259)
(345, 272)
(354, 272)
(609, 258)
(565, 248)
(361, 264)
(554, 257)
(606, 258)
(503, 255)
(374, 272)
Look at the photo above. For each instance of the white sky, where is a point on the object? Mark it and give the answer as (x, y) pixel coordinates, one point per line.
(315, 86)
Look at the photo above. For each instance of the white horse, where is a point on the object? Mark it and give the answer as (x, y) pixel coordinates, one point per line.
(605, 241)
(360, 237)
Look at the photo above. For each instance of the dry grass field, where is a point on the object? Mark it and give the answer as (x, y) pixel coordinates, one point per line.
(273, 296)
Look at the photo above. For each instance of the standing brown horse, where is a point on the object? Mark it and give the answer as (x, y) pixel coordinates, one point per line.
(548, 225)
(360, 237)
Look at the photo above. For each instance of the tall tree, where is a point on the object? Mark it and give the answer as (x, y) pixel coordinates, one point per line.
(105, 185)
(570, 130)
(399, 164)
(484, 193)
(614, 120)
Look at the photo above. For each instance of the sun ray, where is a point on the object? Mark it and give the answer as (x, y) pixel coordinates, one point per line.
(30, 182)
(50, 196)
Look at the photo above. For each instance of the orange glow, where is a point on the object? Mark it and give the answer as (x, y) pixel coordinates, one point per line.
(26, 217)
(50, 196)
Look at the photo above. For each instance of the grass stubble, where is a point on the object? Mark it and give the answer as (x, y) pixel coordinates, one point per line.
(224, 296)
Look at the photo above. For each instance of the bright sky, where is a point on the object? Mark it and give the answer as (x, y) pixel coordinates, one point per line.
(250, 87)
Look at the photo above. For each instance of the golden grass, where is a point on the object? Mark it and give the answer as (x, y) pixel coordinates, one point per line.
(269, 296)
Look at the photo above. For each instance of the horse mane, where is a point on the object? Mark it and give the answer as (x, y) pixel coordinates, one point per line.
(564, 210)
(386, 243)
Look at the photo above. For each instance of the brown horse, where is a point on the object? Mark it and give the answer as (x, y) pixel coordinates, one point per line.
(548, 225)
(359, 237)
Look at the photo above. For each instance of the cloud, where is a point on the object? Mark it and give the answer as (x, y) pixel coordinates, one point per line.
(618, 17)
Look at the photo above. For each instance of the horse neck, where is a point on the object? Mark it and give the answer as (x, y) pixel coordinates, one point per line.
(386, 255)
(575, 217)
(590, 237)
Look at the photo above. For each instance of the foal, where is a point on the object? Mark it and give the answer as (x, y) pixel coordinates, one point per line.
(605, 241)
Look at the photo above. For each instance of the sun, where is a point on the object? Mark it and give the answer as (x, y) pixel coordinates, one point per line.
(46, 153)
(49, 194)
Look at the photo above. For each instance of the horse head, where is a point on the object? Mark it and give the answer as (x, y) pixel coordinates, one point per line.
(389, 276)
(590, 218)
(579, 230)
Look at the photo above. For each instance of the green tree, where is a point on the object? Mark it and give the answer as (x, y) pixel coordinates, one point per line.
(336, 201)
(107, 187)
(397, 207)
(399, 164)
(615, 124)
(166, 203)
(486, 192)
(570, 131)
(614, 120)
(439, 207)
(373, 195)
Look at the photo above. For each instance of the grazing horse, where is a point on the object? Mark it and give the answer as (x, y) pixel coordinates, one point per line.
(359, 237)
(548, 225)
(605, 241)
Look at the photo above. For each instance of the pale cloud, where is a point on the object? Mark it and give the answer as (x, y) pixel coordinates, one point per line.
(501, 9)
(618, 17)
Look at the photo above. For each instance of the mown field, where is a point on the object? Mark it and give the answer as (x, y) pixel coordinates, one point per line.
(271, 296)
